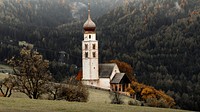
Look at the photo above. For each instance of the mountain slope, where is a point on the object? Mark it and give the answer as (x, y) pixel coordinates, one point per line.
(50, 12)
(159, 38)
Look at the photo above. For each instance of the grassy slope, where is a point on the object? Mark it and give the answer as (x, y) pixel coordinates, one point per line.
(99, 101)
(23, 104)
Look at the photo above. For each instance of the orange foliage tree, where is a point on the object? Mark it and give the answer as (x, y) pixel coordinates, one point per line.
(125, 67)
(79, 76)
(149, 94)
(152, 96)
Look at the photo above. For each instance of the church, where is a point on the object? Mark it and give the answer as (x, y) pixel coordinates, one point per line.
(104, 76)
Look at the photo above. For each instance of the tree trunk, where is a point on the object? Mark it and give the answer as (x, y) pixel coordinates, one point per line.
(6, 92)
(10, 93)
(35, 95)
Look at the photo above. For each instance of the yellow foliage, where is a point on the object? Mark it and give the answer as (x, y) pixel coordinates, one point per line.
(147, 91)
(131, 91)
(158, 98)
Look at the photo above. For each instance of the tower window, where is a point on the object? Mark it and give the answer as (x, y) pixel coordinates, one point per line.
(89, 36)
(86, 54)
(94, 46)
(86, 46)
(94, 54)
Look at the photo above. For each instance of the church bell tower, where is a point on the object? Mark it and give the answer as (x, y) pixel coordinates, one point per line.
(90, 64)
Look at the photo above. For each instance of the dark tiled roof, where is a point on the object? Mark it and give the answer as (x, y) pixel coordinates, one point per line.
(117, 78)
(105, 70)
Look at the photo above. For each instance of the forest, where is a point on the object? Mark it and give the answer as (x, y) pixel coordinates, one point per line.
(160, 39)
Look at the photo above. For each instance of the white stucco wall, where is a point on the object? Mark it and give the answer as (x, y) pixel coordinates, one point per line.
(104, 83)
(90, 69)
(91, 83)
(90, 64)
(115, 70)
(89, 36)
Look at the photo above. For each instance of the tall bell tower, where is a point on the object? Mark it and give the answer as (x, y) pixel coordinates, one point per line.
(90, 64)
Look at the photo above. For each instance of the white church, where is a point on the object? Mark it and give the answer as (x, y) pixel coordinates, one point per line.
(104, 76)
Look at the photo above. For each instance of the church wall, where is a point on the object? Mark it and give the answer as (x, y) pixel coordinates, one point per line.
(104, 83)
(90, 57)
(89, 36)
(115, 70)
(91, 83)
(90, 70)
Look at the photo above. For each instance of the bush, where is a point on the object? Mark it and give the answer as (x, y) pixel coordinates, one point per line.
(70, 90)
(73, 93)
(153, 102)
(131, 102)
(116, 98)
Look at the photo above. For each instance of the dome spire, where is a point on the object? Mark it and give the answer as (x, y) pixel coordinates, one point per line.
(89, 25)
(89, 9)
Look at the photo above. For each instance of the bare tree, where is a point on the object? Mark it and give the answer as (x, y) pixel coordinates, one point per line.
(31, 74)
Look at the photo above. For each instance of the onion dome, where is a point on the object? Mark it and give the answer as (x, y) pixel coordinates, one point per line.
(89, 25)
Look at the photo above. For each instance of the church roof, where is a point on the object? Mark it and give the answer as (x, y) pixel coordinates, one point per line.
(105, 70)
(117, 78)
(89, 25)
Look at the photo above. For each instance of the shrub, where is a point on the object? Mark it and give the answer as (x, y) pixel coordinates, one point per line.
(69, 90)
(131, 102)
(116, 98)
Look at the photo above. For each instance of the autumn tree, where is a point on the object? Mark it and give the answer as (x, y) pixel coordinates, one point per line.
(152, 96)
(125, 67)
(79, 76)
(31, 74)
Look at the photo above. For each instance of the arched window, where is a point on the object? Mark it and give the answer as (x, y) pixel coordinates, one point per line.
(86, 54)
(93, 46)
(94, 54)
(89, 36)
(86, 46)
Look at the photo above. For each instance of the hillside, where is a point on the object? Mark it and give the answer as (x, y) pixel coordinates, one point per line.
(23, 105)
(50, 13)
(159, 38)
(161, 41)
(99, 101)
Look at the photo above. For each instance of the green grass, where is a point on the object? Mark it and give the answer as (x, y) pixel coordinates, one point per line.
(24, 105)
(98, 102)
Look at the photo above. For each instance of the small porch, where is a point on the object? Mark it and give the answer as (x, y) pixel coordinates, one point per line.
(120, 83)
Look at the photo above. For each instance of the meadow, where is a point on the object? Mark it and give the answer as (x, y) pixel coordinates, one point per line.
(99, 101)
